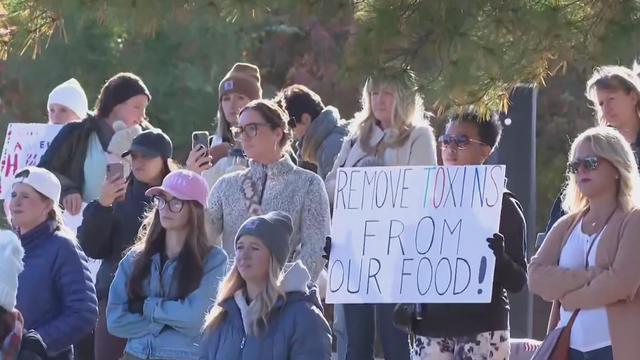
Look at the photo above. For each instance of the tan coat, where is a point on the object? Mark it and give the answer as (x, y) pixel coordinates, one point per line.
(613, 282)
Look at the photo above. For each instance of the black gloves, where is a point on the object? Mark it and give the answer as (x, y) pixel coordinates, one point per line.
(496, 244)
(32, 346)
(327, 248)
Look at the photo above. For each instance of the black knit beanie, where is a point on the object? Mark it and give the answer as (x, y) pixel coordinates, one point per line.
(117, 90)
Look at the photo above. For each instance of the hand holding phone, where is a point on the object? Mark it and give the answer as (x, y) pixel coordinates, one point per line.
(200, 138)
(115, 171)
(199, 159)
(115, 187)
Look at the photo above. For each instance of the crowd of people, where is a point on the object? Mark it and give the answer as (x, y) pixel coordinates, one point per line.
(225, 256)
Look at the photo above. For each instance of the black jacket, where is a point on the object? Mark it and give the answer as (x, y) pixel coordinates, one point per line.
(66, 155)
(107, 232)
(68, 150)
(449, 320)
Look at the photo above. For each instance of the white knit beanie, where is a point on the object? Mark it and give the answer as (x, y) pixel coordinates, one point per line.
(71, 95)
(11, 266)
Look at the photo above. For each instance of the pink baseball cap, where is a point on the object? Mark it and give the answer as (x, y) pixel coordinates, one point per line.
(183, 185)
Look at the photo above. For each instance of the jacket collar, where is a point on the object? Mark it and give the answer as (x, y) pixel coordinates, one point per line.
(276, 169)
(42, 231)
(320, 128)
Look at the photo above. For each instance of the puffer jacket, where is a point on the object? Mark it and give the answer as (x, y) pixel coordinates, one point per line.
(296, 329)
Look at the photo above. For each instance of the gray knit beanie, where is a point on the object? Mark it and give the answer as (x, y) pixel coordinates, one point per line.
(274, 229)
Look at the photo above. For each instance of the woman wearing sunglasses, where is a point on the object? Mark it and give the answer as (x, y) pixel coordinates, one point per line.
(589, 259)
(476, 331)
(166, 283)
(272, 183)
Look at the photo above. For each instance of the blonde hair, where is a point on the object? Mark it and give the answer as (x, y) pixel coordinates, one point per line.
(407, 111)
(612, 77)
(261, 305)
(609, 144)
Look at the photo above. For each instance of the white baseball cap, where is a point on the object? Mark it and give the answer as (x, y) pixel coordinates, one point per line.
(70, 94)
(42, 180)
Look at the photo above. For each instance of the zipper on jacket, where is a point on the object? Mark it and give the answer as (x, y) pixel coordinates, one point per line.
(242, 344)
(264, 183)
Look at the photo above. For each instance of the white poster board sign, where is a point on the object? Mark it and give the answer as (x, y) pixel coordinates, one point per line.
(414, 234)
(24, 145)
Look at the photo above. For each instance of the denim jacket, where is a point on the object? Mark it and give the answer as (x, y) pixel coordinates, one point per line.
(168, 328)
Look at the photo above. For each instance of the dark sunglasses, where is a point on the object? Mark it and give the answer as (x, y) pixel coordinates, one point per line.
(460, 141)
(589, 163)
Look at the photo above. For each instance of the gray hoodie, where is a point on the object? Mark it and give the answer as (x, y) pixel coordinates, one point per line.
(323, 140)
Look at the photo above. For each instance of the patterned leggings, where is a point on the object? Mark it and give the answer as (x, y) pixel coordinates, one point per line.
(493, 345)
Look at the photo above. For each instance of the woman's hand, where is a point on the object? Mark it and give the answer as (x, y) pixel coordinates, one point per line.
(198, 160)
(72, 203)
(113, 190)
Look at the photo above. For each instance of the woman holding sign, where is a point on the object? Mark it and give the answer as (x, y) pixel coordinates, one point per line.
(476, 331)
(588, 263)
(389, 131)
(265, 308)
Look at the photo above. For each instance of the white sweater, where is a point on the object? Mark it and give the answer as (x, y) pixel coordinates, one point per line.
(419, 149)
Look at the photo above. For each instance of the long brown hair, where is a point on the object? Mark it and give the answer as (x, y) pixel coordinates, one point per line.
(151, 240)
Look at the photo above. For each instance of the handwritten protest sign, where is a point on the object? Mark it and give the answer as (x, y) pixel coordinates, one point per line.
(414, 234)
(24, 145)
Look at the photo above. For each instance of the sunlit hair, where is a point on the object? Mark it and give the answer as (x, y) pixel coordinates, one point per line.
(612, 78)
(151, 241)
(223, 127)
(261, 306)
(609, 144)
(406, 113)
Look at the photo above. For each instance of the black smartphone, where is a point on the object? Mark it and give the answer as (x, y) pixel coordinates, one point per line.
(115, 171)
(200, 138)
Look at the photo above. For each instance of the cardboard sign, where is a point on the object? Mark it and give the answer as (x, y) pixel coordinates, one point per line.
(414, 234)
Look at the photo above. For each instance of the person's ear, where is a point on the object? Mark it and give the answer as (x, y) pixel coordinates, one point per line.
(306, 119)
(485, 152)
